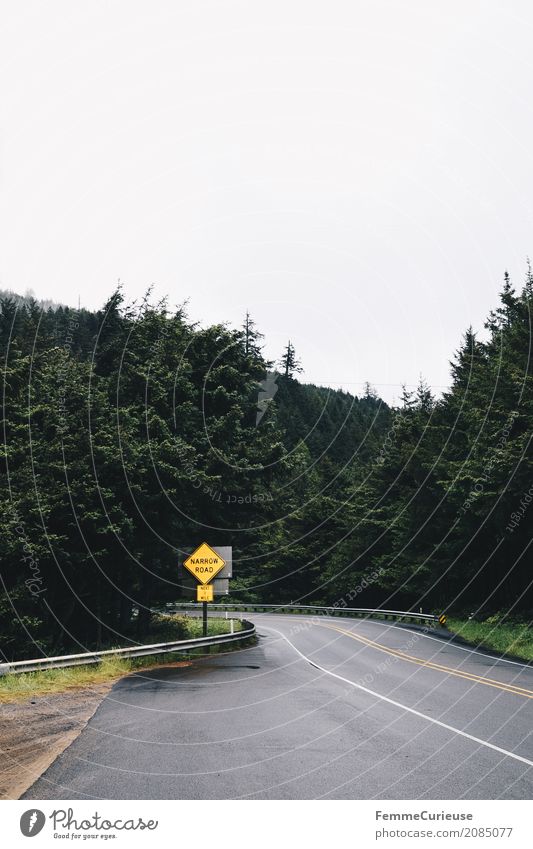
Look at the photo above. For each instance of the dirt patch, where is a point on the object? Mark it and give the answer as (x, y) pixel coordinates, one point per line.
(35, 731)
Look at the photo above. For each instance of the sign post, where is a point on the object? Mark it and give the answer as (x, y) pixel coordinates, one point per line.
(205, 594)
(204, 563)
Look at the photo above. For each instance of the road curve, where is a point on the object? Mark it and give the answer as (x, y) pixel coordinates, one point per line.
(320, 708)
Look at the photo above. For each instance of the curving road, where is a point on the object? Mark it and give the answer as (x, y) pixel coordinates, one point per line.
(320, 708)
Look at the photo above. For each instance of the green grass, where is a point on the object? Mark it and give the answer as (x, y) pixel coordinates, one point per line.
(165, 628)
(507, 637)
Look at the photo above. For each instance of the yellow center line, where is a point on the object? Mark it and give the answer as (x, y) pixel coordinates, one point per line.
(409, 658)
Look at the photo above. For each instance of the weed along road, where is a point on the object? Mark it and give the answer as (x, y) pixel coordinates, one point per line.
(320, 708)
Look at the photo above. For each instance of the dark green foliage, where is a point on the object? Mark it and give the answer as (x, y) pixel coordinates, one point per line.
(441, 520)
(130, 435)
(290, 364)
(126, 436)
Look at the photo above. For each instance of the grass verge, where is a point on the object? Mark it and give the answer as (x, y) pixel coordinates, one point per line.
(15, 688)
(508, 637)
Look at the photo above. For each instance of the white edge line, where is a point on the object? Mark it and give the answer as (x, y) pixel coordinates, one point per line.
(406, 708)
(450, 642)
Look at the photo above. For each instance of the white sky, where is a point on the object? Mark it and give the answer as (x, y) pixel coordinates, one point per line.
(358, 174)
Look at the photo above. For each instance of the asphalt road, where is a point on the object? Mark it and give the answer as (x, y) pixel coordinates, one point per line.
(320, 708)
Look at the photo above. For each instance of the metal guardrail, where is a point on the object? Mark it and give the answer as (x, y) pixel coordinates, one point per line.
(18, 666)
(377, 613)
(186, 645)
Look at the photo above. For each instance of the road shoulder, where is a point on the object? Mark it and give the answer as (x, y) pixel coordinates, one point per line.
(35, 731)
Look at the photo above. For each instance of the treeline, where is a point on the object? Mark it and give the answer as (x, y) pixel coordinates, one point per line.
(440, 517)
(131, 434)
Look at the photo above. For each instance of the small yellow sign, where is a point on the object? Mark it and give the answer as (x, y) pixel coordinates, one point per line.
(204, 592)
(442, 619)
(204, 563)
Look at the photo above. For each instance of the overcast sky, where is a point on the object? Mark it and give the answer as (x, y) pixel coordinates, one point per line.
(357, 174)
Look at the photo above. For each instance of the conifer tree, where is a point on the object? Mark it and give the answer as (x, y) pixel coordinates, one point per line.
(251, 337)
(289, 362)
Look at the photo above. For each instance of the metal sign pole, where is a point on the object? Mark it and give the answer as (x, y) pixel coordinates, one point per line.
(204, 616)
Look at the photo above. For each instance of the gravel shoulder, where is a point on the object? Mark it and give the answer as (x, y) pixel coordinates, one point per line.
(35, 731)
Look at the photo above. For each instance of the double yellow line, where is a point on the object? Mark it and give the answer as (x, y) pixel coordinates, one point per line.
(429, 664)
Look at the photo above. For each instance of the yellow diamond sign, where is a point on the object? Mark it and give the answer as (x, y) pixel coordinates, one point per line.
(204, 563)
